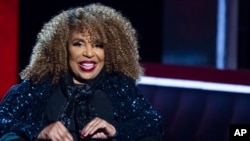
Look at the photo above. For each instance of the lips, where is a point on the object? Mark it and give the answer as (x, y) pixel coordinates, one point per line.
(87, 65)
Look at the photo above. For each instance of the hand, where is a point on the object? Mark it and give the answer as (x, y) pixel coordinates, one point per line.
(98, 129)
(55, 132)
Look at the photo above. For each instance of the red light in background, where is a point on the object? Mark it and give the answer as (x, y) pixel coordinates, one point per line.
(8, 44)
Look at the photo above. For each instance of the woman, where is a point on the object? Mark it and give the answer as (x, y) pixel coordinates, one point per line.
(80, 83)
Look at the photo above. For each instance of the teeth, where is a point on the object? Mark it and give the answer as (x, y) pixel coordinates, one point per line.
(87, 65)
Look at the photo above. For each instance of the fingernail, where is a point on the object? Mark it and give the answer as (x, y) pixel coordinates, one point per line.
(82, 135)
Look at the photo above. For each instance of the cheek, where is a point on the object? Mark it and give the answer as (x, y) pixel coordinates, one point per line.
(101, 55)
(71, 63)
(72, 58)
(73, 53)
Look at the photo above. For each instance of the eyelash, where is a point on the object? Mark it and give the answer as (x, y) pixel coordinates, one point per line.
(77, 44)
(99, 45)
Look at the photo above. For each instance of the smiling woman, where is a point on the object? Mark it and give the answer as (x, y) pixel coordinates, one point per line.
(80, 83)
(86, 57)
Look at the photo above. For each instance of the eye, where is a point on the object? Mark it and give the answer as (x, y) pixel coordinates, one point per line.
(78, 44)
(99, 45)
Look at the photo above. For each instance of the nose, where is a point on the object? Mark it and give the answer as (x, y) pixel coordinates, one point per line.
(88, 52)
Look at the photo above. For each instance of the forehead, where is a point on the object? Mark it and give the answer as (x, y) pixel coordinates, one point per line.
(79, 35)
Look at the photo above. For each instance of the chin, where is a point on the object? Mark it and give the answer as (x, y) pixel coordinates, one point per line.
(87, 77)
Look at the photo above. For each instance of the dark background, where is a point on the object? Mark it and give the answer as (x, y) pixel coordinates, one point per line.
(244, 34)
(147, 16)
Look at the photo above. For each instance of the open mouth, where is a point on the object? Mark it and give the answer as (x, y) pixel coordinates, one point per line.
(89, 66)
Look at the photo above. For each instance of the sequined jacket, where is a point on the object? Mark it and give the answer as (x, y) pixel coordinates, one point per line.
(23, 108)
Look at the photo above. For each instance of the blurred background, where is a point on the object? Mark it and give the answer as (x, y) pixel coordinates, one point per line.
(186, 39)
(211, 33)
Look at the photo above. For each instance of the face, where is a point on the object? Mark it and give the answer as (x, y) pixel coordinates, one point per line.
(86, 58)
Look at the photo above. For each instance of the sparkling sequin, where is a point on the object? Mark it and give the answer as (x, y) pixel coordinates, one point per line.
(23, 108)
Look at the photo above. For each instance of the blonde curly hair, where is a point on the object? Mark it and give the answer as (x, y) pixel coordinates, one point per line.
(103, 23)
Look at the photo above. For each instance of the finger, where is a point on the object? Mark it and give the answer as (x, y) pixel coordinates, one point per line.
(106, 128)
(90, 127)
(99, 124)
(99, 135)
(64, 133)
(59, 137)
(59, 133)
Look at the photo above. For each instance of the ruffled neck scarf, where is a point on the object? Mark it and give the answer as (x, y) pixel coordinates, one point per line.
(78, 110)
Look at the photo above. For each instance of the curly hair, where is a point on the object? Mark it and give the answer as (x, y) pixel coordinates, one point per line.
(103, 23)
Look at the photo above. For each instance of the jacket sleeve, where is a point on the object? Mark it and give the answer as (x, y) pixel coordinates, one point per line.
(16, 114)
(139, 120)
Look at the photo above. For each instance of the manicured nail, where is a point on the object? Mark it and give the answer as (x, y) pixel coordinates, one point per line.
(82, 136)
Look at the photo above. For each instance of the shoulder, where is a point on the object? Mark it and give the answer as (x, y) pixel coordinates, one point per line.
(119, 78)
(28, 87)
(23, 86)
(119, 84)
(16, 92)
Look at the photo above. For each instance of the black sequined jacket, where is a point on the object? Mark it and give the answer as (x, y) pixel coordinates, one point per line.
(23, 108)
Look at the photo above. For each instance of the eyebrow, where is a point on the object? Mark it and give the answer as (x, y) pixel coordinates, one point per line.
(77, 39)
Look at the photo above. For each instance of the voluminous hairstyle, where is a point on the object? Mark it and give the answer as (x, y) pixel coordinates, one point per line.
(104, 24)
